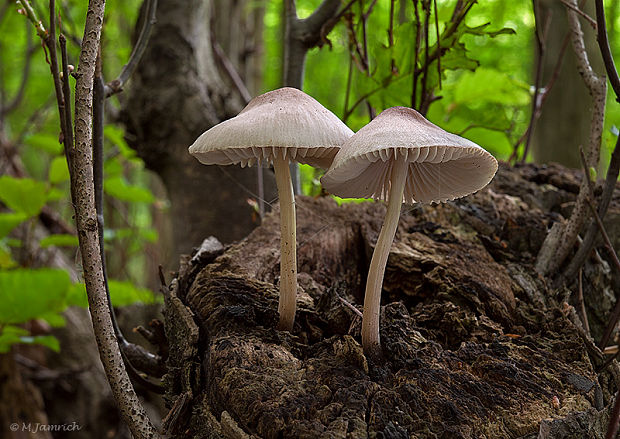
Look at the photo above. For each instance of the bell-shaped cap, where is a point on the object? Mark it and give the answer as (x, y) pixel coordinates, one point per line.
(442, 166)
(285, 122)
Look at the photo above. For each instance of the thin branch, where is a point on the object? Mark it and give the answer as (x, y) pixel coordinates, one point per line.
(116, 85)
(591, 21)
(543, 97)
(438, 44)
(66, 120)
(603, 43)
(616, 312)
(131, 409)
(230, 70)
(582, 305)
(536, 102)
(414, 87)
(614, 419)
(588, 242)
(29, 12)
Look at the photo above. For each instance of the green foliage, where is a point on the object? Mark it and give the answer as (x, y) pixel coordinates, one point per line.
(125, 293)
(59, 170)
(33, 127)
(23, 195)
(10, 335)
(118, 187)
(62, 240)
(27, 294)
(8, 221)
(122, 293)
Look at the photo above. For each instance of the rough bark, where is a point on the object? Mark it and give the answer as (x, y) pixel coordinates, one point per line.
(176, 94)
(476, 343)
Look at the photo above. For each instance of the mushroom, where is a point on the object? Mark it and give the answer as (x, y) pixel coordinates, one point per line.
(402, 157)
(280, 126)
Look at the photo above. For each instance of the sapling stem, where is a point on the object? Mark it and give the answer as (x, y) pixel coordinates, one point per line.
(372, 298)
(288, 250)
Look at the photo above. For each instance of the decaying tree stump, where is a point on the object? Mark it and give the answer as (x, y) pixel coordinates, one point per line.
(476, 343)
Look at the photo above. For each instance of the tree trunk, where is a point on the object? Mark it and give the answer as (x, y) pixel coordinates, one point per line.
(475, 342)
(176, 94)
(562, 126)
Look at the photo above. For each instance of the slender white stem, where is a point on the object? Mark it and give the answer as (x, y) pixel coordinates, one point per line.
(374, 283)
(288, 250)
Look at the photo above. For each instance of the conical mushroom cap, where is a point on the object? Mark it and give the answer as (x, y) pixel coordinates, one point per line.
(442, 166)
(281, 122)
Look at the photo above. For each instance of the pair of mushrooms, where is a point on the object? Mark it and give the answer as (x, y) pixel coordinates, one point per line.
(398, 157)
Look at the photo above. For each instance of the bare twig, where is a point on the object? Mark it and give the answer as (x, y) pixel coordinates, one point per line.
(541, 100)
(614, 419)
(540, 53)
(582, 305)
(590, 196)
(591, 21)
(116, 85)
(422, 108)
(30, 13)
(230, 70)
(348, 304)
(416, 50)
(588, 242)
(65, 119)
(438, 44)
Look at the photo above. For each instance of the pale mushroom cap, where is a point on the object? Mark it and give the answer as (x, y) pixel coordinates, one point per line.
(442, 166)
(281, 122)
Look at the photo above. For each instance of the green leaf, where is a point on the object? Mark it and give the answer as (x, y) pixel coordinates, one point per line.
(112, 168)
(56, 194)
(26, 294)
(592, 173)
(59, 171)
(54, 320)
(10, 220)
(115, 135)
(489, 85)
(59, 241)
(76, 296)
(118, 188)
(124, 293)
(6, 259)
(48, 341)
(46, 142)
(456, 58)
(23, 194)
(10, 335)
(147, 234)
(480, 30)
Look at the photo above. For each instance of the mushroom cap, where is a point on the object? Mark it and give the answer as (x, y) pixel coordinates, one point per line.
(285, 122)
(442, 166)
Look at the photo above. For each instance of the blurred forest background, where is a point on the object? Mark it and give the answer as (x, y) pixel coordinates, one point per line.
(476, 69)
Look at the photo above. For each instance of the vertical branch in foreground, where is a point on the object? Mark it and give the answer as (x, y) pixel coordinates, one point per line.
(132, 412)
(562, 236)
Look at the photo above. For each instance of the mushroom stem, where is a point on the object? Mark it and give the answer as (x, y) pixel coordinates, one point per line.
(288, 250)
(372, 299)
